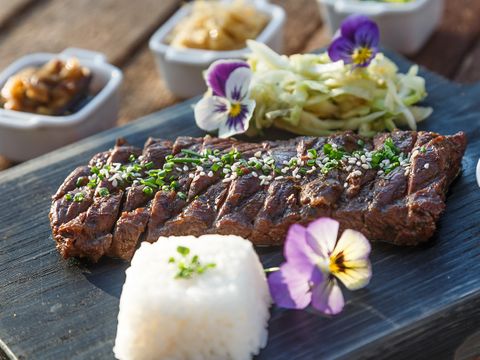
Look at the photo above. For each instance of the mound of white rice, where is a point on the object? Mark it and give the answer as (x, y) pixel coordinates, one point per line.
(220, 314)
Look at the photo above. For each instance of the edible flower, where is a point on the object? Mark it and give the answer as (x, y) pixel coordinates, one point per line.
(315, 263)
(226, 106)
(357, 43)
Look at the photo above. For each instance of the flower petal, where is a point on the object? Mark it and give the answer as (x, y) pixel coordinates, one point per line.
(322, 236)
(367, 35)
(327, 297)
(351, 24)
(289, 288)
(353, 246)
(341, 49)
(238, 83)
(356, 275)
(240, 123)
(211, 112)
(218, 73)
(297, 251)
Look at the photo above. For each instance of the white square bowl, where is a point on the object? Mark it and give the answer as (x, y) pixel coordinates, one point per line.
(24, 136)
(404, 27)
(182, 68)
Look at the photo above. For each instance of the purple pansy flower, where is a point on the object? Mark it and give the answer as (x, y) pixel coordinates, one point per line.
(357, 43)
(315, 260)
(227, 107)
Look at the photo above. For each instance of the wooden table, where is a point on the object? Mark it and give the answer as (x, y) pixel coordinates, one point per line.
(121, 29)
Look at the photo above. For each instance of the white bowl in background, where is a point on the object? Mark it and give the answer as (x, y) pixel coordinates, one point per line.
(182, 68)
(24, 136)
(404, 27)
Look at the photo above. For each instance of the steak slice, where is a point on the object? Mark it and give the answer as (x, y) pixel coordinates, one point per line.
(391, 188)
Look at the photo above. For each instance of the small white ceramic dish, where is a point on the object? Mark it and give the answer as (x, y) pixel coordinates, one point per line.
(24, 136)
(404, 27)
(182, 68)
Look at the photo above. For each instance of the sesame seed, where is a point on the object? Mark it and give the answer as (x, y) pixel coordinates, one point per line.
(191, 175)
(202, 173)
(352, 160)
(363, 158)
(185, 168)
(258, 154)
(365, 166)
(284, 170)
(210, 174)
(226, 180)
(295, 171)
(298, 177)
(358, 163)
(357, 173)
(226, 170)
(349, 168)
(345, 184)
(178, 169)
(407, 172)
(380, 172)
(279, 177)
(254, 174)
(426, 166)
(199, 168)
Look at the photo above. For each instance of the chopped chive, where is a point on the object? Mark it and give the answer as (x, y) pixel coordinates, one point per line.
(149, 165)
(185, 160)
(423, 149)
(80, 181)
(183, 250)
(103, 191)
(79, 197)
(360, 142)
(191, 152)
(174, 184)
(132, 158)
(147, 190)
(168, 157)
(215, 167)
(182, 195)
(68, 197)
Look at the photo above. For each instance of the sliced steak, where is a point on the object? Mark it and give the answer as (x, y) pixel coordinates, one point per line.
(259, 190)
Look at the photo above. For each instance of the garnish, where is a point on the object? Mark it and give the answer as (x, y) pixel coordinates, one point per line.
(353, 86)
(357, 43)
(231, 164)
(79, 197)
(68, 197)
(103, 191)
(187, 266)
(227, 107)
(316, 260)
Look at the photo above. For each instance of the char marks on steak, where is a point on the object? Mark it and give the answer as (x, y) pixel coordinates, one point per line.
(401, 208)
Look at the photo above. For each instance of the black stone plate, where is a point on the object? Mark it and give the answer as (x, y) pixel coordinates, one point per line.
(422, 302)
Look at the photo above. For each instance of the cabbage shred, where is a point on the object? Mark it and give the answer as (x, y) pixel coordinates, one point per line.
(308, 94)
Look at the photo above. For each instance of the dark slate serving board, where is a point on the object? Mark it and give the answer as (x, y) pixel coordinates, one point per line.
(422, 302)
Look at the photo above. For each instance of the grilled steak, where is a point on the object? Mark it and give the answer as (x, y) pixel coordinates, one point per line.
(391, 188)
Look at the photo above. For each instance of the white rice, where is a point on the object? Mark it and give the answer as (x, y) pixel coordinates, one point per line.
(220, 314)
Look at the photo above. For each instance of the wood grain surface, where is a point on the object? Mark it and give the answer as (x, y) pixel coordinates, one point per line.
(422, 303)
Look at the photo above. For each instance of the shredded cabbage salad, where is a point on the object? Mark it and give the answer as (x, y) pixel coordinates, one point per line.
(308, 94)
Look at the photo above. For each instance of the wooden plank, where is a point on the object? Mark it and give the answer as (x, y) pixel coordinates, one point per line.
(114, 27)
(422, 302)
(11, 9)
(143, 90)
(303, 19)
(469, 70)
(457, 33)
